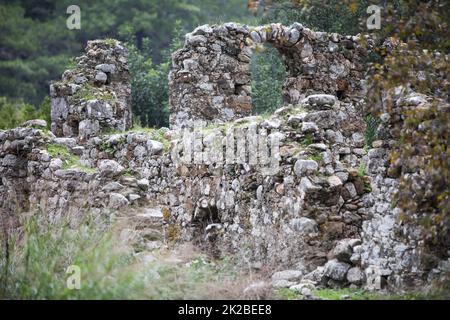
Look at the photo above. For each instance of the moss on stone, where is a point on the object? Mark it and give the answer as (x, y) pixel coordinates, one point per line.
(70, 160)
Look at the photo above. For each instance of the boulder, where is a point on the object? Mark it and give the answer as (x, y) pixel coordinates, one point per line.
(355, 276)
(336, 270)
(304, 226)
(110, 168)
(117, 201)
(342, 251)
(304, 167)
(321, 101)
(36, 123)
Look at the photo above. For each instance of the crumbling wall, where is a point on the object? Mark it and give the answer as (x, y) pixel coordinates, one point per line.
(293, 214)
(285, 191)
(94, 96)
(393, 252)
(210, 78)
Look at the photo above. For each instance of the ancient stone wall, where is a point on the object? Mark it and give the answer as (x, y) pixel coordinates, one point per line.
(393, 252)
(298, 189)
(94, 96)
(210, 78)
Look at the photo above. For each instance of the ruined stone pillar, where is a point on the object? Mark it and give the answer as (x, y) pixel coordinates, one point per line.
(94, 96)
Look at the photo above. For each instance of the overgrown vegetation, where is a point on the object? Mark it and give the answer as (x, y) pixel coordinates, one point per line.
(372, 124)
(268, 75)
(417, 60)
(14, 113)
(36, 264)
(357, 294)
(70, 160)
(37, 47)
(362, 170)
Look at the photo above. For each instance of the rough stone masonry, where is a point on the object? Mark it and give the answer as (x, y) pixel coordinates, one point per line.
(210, 78)
(324, 217)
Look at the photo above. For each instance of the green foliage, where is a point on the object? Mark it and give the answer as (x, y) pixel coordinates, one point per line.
(316, 157)
(287, 294)
(372, 124)
(35, 267)
(424, 144)
(14, 113)
(349, 294)
(60, 151)
(307, 140)
(70, 160)
(268, 74)
(149, 88)
(36, 46)
(45, 111)
(154, 134)
(417, 60)
(108, 148)
(362, 170)
(344, 17)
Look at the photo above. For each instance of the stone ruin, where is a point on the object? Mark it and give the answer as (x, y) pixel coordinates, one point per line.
(210, 79)
(318, 215)
(95, 96)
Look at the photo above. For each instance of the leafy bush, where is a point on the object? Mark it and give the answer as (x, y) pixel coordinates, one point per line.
(14, 113)
(36, 268)
(417, 60)
(150, 84)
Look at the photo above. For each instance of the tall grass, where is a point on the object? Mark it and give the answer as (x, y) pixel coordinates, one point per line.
(37, 264)
(35, 267)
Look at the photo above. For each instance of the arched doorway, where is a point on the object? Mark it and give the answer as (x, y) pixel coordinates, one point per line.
(210, 78)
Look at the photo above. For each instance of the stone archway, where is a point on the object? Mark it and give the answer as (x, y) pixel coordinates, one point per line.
(210, 76)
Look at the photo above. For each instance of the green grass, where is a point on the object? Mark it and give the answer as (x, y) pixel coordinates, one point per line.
(337, 294)
(109, 149)
(316, 157)
(35, 267)
(46, 133)
(70, 160)
(86, 92)
(307, 140)
(90, 92)
(362, 170)
(349, 294)
(128, 173)
(286, 294)
(111, 42)
(154, 134)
